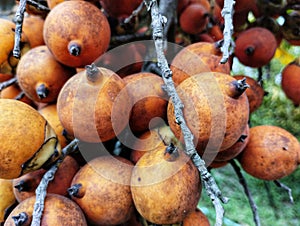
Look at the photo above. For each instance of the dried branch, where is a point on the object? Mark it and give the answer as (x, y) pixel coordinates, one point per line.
(227, 43)
(286, 188)
(158, 22)
(247, 192)
(41, 190)
(7, 83)
(19, 17)
(38, 5)
(134, 13)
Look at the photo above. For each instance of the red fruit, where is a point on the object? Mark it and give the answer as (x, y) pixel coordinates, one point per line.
(120, 8)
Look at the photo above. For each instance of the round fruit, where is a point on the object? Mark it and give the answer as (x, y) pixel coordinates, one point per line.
(149, 101)
(255, 92)
(271, 153)
(33, 29)
(216, 110)
(41, 76)
(94, 105)
(25, 186)
(197, 217)
(101, 188)
(49, 112)
(7, 198)
(123, 9)
(27, 141)
(14, 92)
(76, 32)
(193, 18)
(58, 210)
(290, 82)
(165, 185)
(255, 47)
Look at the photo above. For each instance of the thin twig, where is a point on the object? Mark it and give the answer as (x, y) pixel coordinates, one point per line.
(20, 95)
(41, 190)
(38, 5)
(19, 17)
(286, 188)
(209, 183)
(134, 13)
(228, 44)
(247, 192)
(7, 83)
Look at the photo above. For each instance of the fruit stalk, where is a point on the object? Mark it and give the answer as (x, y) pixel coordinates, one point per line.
(41, 190)
(228, 44)
(7, 83)
(209, 182)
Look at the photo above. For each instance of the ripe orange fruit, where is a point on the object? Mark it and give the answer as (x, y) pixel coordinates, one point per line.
(255, 47)
(271, 153)
(7, 198)
(27, 141)
(80, 37)
(41, 76)
(196, 217)
(33, 29)
(58, 210)
(290, 81)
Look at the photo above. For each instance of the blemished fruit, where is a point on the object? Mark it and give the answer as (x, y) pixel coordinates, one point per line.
(49, 112)
(196, 217)
(80, 37)
(99, 96)
(216, 110)
(255, 47)
(41, 76)
(197, 58)
(290, 81)
(25, 186)
(271, 153)
(58, 210)
(149, 101)
(120, 10)
(27, 141)
(7, 198)
(165, 185)
(255, 92)
(102, 189)
(193, 18)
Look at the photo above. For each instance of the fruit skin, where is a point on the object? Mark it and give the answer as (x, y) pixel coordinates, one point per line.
(193, 18)
(41, 76)
(165, 186)
(271, 153)
(7, 198)
(58, 210)
(290, 81)
(33, 29)
(104, 190)
(80, 37)
(255, 92)
(24, 130)
(148, 98)
(196, 216)
(214, 115)
(25, 186)
(255, 47)
(49, 112)
(101, 99)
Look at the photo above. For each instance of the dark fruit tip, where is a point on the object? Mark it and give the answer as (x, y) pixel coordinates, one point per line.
(42, 91)
(249, 51)
(20, 219)
(74, 191)
(92, 72)
(74, 49)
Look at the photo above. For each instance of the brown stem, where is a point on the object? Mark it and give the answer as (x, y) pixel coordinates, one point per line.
(243, 182)
(7, 83)
(19, 17)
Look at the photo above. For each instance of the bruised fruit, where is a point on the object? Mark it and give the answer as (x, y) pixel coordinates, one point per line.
(271, 153)
(255, 92)
(25, 186)
(149, 100)
(94, 105)
(255, 47)
(41, 76)
(58, 210)
(7, 198)
(290, 82)
(27, 141)
(102, 189)
(76, 32)
(216, 110)
(165, 185)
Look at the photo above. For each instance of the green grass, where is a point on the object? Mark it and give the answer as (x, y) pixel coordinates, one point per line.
(273, 204)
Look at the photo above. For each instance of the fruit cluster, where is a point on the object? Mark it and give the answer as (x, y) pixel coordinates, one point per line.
(130, 167)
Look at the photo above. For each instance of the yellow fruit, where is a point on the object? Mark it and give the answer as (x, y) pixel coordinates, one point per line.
(7, 198)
